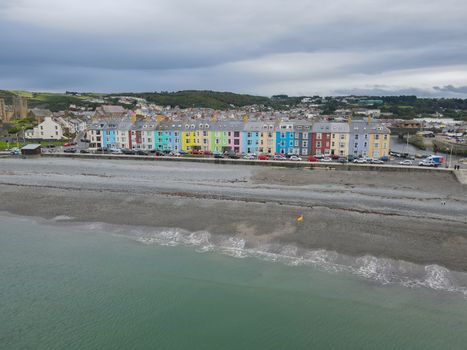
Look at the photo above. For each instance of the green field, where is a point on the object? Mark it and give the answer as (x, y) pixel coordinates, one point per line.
(6, 145)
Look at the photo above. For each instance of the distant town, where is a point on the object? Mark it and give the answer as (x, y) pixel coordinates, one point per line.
(356, 129)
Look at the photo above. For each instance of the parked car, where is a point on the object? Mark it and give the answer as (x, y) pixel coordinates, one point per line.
(313, 159)
(15, 151)
(140, 152)
(174, 154)
(376, 161)
(249, 156)
(359, 160)
(326, 159)
(51, 146)
(342, 160)
(69, 144)
(233, 156)
(295, 158)
(218, 155)
(70, 150)
(263, 157)
(84, 151)
(406, 162)
(428, 163)
(279, 157)
(116, 151)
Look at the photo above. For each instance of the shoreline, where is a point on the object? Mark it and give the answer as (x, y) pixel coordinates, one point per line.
(380, 270)
(352, 213)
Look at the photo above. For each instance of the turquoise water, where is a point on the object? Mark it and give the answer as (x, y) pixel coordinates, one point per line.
(71, 287)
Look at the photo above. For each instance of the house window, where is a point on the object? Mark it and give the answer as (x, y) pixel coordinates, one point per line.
(304, 143)
(318, 136)
(356, 137)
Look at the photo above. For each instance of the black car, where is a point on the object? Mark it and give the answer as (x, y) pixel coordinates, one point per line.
(233, 156)
(84, 151)
(127, 151)
(51, 146)
(218, 155)
(69, 150)
(342, 160)
(140, 152)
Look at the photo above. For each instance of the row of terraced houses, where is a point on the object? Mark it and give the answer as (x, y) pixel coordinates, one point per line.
(357, 138)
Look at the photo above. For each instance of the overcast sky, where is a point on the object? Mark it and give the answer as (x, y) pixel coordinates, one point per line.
(296, 47)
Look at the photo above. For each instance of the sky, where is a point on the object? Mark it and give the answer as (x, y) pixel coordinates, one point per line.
(294, 47)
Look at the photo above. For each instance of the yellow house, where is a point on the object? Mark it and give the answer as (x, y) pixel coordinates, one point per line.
(340, 136)
(188, 140)
(379, 142)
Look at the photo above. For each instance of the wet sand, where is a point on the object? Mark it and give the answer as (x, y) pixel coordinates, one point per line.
(417, 217)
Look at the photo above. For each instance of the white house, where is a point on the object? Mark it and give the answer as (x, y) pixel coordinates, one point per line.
(47, 130)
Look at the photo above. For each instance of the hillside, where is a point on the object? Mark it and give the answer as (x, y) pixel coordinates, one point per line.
(406, 107)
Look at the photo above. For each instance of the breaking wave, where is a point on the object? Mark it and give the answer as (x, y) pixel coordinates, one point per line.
(382, 270)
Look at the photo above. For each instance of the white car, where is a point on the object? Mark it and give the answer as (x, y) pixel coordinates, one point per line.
(360, 160)
(116, 151)
(326, 159)
(406, 162)
(249, 157)
(295, 158)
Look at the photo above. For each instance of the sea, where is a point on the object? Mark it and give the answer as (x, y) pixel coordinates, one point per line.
(68, 285)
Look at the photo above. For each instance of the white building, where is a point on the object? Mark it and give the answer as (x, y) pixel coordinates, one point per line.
(47, 130)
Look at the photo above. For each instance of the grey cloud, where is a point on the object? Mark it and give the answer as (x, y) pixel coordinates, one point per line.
(238, 46)
(450, 88)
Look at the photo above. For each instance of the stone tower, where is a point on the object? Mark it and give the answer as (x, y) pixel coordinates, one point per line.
(2, 110)
(20, 107)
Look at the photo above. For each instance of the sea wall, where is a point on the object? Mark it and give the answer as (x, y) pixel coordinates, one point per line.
(285, 164)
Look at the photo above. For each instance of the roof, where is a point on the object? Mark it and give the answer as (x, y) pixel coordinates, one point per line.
(331, 127)
(113, 109)
(31, 146)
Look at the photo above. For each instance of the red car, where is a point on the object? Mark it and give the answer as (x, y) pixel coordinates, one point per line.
(68, 144)
(263, 157)
(313, 159)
